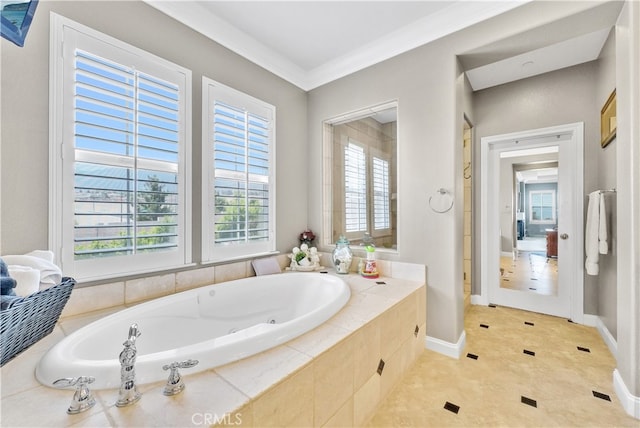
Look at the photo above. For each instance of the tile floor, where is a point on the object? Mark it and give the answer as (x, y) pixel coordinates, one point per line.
(518, 369)
(531, 271)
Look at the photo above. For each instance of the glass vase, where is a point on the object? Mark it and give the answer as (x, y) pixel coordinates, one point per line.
(342, 256)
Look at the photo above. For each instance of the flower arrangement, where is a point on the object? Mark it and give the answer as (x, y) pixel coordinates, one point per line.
(304, 259)
(307, 237)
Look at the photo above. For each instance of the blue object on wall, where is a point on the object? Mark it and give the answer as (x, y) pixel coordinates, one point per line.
(16, 18)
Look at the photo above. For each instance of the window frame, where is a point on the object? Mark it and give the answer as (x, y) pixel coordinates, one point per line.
(66, 37)
(553, 206)
(212, 253)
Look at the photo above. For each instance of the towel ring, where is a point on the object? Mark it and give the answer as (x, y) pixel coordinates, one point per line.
(443, 193)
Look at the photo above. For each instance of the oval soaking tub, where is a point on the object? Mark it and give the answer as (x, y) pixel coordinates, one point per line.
(215, 325)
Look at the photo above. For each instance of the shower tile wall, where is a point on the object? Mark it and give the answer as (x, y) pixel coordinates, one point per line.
(467, 210)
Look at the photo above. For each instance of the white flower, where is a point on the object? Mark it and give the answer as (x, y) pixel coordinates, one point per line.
(304, 248)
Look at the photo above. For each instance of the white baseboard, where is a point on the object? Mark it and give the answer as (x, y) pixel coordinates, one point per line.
(590, 320)
(630, 402)
(453, 350)
(477, 299)
(608, 338)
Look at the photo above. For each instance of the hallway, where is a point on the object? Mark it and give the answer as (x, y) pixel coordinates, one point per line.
(518, 369)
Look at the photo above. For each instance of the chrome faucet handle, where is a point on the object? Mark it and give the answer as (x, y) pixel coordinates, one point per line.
(175, 384)
(134, 333)
(82, 399)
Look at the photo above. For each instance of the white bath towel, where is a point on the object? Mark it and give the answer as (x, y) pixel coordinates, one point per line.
(50, 274)
(43, 254)
(27, 279)
(595, 238)
(603, 246)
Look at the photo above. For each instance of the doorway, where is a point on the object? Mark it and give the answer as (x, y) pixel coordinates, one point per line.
(532, 264)
(499, 222)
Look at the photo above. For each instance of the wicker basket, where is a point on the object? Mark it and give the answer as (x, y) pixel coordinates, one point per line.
(32, 318)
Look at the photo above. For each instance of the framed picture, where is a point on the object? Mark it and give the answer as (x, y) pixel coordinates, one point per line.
(608, 124)
(16, 16)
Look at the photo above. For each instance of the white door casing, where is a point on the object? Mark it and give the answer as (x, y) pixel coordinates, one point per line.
(568, 302)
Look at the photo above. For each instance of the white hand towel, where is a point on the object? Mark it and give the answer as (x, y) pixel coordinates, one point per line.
(50, 274)
(603, 246)
(591, 234)
(27, 279)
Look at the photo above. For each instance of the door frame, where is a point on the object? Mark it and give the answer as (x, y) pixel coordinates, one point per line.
(489, 210)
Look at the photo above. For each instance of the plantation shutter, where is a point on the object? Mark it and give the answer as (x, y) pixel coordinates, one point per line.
(126, 139)
(120, 151)
(381, 211)
(238, 174)
(241, 177)
(355, 186)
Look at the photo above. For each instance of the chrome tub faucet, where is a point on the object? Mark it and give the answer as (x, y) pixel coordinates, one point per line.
(128, 393)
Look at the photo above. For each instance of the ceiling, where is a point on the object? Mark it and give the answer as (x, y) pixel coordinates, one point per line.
(310, 43)
(532, 176)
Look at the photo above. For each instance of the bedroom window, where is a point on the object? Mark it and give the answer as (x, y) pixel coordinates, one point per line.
(238, 174)
(542, 206)
(120, 152)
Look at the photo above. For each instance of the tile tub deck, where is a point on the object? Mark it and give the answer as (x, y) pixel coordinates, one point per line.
(329, 376)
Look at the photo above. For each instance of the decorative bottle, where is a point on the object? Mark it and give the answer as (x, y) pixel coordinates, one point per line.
(370, 267)
(342, 255)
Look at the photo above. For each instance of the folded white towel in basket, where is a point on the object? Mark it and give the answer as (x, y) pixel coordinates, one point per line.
(50, 274)
(27, 279)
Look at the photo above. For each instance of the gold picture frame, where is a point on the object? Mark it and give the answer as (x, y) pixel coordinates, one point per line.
(608, 122)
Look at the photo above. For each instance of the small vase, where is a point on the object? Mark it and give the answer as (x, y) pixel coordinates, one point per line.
(342, 256)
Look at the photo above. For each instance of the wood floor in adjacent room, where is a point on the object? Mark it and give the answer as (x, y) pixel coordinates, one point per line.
(518, 369)
(530, 271)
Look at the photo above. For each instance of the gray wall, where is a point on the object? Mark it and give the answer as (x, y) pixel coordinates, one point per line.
(559, 97)
(25, 115)
(606, 281)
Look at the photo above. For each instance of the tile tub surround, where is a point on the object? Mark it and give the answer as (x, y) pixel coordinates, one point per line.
(132, 291)
(328, 376)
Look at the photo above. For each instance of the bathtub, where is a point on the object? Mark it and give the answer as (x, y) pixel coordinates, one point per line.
(215, 324)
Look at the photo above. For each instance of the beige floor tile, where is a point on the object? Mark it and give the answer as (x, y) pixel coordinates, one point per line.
(489, 389)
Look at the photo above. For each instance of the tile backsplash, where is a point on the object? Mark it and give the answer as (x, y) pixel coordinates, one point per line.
(88, 299)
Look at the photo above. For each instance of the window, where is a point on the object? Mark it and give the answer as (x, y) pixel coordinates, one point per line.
(121, 147)
(381, 197)
(542, 206)
(238, 173)
(364, 165)
(355, 189)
